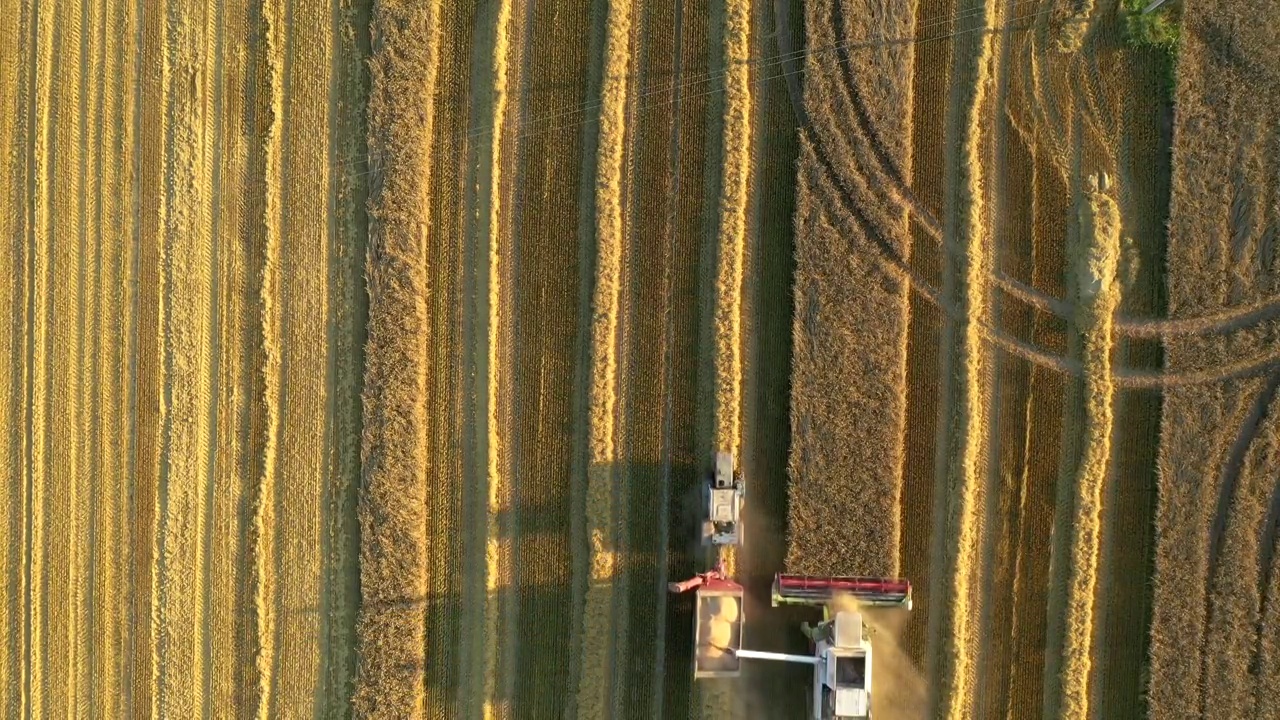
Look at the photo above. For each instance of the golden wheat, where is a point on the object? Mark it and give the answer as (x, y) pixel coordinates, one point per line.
(1098, 297)
(1217, 257)
(597, 617)
(393, 518)
(963, 442)
(498, 488)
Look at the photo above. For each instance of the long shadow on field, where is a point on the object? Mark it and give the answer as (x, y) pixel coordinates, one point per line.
(651, 632)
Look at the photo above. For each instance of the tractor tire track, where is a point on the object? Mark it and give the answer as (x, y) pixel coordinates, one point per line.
(1125, 378)
(1225, 682)
(851, 96)
(840, 197)
(963, 435)
(1265, 658)
(1222, 321)
(1011, 199)
(930, 74)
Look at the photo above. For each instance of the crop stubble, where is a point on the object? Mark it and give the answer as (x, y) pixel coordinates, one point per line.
(1010, 197)
(688, 226)
(545, 347)
(645, 361)
(768, 268)
(135, 360)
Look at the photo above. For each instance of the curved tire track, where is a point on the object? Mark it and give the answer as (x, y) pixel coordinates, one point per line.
(1223, 321)
(829, 183)
(1228, 496)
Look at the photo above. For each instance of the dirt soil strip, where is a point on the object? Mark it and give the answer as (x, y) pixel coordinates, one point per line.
(547, 269)
(11, 387)
(1224, 177)
(595, 640)
(394, 513)
(348, 250)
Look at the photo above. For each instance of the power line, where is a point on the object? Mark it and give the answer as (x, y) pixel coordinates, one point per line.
(761, 63)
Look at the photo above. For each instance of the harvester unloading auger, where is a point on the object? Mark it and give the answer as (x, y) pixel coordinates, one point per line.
(841, 648)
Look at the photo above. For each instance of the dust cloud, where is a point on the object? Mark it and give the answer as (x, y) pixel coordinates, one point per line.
(898, 689)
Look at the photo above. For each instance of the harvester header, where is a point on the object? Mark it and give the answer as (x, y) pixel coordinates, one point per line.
(808, 590)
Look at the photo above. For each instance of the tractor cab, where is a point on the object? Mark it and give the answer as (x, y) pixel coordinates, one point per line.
(722, 501)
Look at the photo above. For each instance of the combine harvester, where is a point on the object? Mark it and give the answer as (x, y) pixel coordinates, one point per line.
(841, 648)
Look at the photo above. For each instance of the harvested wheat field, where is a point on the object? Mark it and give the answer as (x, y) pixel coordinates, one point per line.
(1019, 423)
(368, 358)
(577, 293)
(183, 249)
